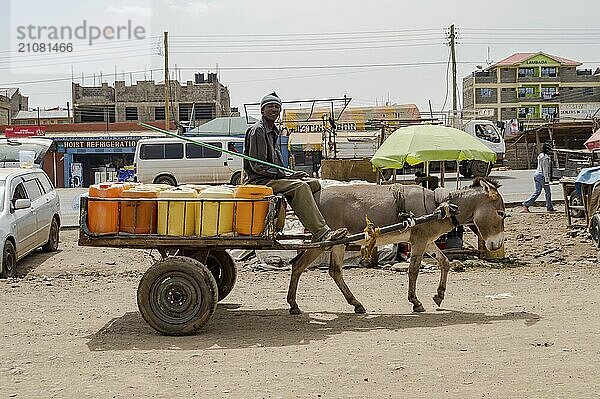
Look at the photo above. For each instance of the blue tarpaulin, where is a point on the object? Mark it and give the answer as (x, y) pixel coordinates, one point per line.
(587, 176)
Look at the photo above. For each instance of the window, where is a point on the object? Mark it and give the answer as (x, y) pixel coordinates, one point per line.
(549, 72)
(162, 151)
(525, 112)
(2, 185)
(196, 151)
(159, 113)
(588, 91)
(235, 147)
(19, 193)
(526, 91)
(486, 92)
(33, 188)
(45, 182)
(487, 133)
(548, 92)
(131, 114)
(549, 112)
(526, 72)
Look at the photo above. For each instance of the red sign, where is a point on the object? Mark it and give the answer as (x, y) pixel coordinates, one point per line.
(24, 131)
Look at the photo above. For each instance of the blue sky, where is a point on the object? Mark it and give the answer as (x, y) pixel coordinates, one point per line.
(266, 33)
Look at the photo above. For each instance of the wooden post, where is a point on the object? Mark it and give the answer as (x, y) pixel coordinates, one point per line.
(442, 173)
(167, 84)
(527, 151)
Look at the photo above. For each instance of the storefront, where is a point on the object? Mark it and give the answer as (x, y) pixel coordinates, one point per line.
(86, 160)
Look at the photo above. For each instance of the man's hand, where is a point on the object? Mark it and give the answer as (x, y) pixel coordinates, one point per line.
(297, 175)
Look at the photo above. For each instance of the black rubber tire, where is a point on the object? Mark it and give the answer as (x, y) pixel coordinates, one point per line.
(575, 199)
(177, 296)
(480, 168)
(164, 179)
(236, 179)
(9, 261)
(221, 265)
(53, 237)
(595, 229)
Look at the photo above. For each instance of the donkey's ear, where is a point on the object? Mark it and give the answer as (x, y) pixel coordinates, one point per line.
(489, 188)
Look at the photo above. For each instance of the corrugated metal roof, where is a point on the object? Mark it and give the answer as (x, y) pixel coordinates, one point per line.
(53, 114)
(519, 58)
(8, 91)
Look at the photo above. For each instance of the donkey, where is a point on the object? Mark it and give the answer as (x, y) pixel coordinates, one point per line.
(480, 204)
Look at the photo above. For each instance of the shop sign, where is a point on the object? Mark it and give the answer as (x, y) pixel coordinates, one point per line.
(24, 131)
(578, 110)
(99, 144)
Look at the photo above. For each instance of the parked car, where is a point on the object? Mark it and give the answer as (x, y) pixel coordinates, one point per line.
(29, 206)
(174, 161)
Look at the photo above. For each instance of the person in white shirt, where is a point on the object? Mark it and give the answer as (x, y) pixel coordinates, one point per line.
(541, 178)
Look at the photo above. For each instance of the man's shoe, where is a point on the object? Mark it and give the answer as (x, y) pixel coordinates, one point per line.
(525, 209)
(552, 210)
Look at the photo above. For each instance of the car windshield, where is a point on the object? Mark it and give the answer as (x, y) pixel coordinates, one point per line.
(2, 184)
(487, 133)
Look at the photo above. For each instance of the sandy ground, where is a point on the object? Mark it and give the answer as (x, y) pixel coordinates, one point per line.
(525, 329)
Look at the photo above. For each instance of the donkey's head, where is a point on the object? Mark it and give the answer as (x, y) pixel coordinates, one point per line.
(489, 213)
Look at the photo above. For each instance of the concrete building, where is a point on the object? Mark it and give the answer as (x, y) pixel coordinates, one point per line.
(201, 100)
(4, 110)
(531, 89)
(43, 117)
(11, 102)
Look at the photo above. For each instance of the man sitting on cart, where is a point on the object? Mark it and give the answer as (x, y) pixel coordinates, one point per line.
(261, 142)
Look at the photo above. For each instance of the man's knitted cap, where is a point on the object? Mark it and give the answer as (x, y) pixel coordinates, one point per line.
(272, 98)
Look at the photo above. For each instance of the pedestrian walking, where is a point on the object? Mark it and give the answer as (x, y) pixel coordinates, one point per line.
(541, 179)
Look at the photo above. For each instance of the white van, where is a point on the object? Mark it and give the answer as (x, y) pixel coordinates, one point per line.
(175, 161)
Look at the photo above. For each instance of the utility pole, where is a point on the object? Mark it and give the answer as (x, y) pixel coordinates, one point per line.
(167, 84)
(453, 56)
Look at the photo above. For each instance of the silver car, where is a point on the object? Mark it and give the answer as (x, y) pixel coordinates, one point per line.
(29, 215)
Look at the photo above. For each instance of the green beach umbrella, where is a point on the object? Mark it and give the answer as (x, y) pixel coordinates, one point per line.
(423, 143)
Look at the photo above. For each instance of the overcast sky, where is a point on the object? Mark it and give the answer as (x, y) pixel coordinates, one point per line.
(265, 33)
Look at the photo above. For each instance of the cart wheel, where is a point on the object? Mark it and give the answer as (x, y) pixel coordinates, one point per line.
(177, 295)
(595, 229)
(575, 200)
(222, 267)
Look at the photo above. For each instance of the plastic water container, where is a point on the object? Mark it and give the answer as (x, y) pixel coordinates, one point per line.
(26, 158)
(215, 217)
(103, 216)
(159, 187)
(139, 217)
(250, 216)
(176, 218)
(198, 187)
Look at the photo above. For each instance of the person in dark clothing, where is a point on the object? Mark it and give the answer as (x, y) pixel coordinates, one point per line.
(261, 142)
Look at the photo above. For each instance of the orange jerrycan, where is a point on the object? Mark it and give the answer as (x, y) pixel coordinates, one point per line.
(103, 216)
(250, 215)
(139, 217)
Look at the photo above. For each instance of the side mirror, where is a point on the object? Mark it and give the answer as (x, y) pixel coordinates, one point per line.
(23, 203)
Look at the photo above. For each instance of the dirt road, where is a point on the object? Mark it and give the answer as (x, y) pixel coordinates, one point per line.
(526, 329)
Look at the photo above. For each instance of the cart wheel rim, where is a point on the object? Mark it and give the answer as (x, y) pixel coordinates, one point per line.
(175, 298)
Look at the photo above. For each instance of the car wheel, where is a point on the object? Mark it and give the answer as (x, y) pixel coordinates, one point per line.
(236, 179)
(165, 180)
(52, 244)
(9, 261)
